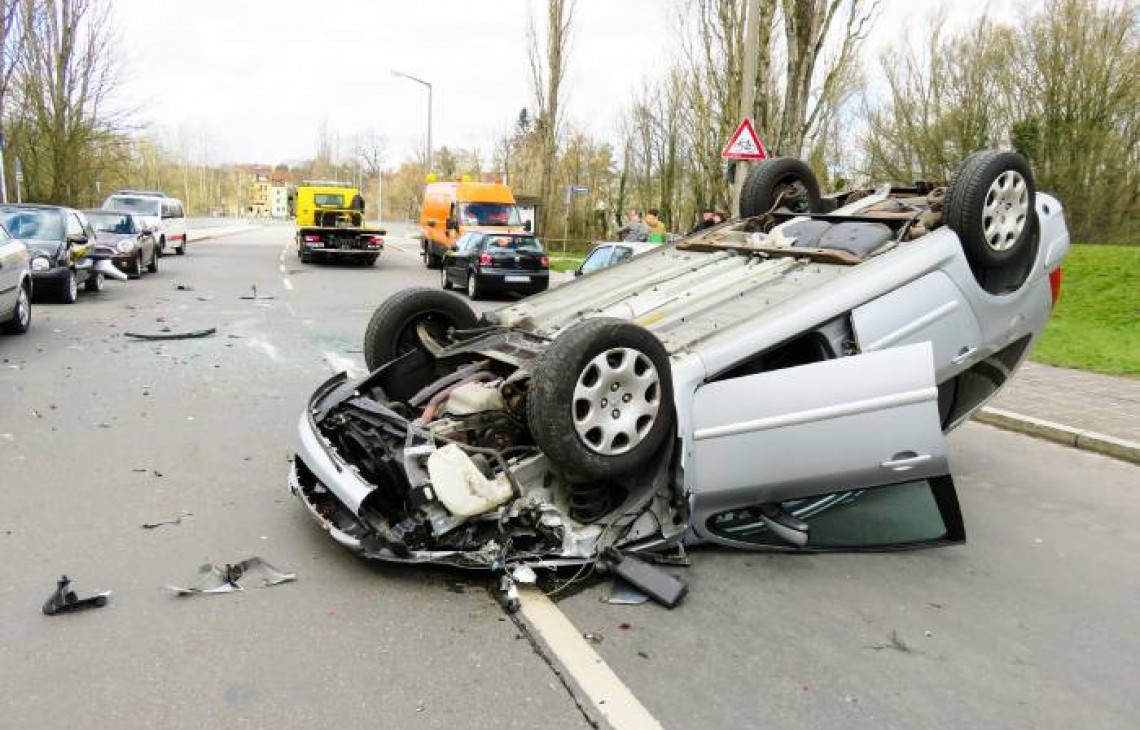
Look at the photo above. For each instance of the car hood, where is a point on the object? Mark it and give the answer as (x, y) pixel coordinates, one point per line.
(43, 248)
(106, 238)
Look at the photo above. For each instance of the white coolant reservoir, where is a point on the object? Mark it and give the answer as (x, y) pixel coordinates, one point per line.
(475, 398)
(461, 487)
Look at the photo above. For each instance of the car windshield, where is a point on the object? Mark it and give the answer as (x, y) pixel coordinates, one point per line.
(328, 200)
(111, 222)
(514, 243)
(27, 223)
(138, 206)
(489, 214)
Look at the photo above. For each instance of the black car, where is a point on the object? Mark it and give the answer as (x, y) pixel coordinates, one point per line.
(496, 262)
(58, 239)
(131, 244)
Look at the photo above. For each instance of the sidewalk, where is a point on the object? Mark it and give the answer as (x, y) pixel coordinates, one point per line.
(1094, 412)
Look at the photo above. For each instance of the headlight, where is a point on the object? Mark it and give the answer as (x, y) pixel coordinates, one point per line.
(125, 246)
(41, 263)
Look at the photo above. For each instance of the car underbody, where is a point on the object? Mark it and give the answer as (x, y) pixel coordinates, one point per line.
(592, 418)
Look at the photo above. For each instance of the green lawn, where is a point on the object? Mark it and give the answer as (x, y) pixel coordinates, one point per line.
(1096, 325)
(564, 263)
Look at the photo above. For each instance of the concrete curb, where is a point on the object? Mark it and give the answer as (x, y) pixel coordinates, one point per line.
(1059, 433)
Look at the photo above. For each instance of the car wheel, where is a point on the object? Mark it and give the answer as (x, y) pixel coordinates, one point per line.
(785, 182)
(444, 281)
(990, 205)
(95, 282)
(181, 250)
(392, 330)
(474, 291)
(305, 255)
(601, 398)
(162, 246)
(69, 288)
(21, 316)
(152, 267)
(137, 266)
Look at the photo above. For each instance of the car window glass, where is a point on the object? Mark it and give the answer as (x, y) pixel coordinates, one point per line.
(4, 236)
(597, 259)
(621, 253)
(33, 224)
(900, 514)
(74, 225)
(137, 205)
(514, 243)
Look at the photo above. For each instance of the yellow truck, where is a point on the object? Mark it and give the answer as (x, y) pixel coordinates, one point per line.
(451, 209)
(330, 224)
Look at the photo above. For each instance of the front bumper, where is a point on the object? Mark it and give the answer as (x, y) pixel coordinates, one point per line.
(52, 277)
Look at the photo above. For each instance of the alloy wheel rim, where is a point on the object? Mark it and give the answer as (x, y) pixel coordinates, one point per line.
(1005, 211)
(617, 397)
(72, 287)
(23, 311)
(471, 285)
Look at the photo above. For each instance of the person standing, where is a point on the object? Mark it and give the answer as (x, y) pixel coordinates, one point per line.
(634, 228)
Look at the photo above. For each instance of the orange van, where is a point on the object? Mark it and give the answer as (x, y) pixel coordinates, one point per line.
(451, 209)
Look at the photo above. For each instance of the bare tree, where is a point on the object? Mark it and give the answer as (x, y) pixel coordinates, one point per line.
(548, 70)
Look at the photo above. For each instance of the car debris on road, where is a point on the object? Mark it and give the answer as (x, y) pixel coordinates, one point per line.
(193, 334)
(229, 577)
(64, 600)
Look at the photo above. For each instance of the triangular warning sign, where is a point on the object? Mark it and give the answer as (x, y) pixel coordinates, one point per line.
(744, 144)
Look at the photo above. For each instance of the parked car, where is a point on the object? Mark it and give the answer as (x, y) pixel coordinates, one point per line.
(483, 263)
(604, 255)
(59, 240)
(130, 243)
(15, 285)
(782, 382)
(160, 213)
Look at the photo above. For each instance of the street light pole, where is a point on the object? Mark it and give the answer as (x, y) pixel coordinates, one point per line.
(409, 77)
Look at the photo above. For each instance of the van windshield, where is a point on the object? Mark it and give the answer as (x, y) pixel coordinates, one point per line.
(139, 206)
(489, 214)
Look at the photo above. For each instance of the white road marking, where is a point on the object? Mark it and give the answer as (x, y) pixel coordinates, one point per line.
(288, 284)
(605, 690)
(340, 363)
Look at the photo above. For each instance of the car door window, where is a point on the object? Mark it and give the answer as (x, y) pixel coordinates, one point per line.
(74, 225)
(621, 254)
(598, 259)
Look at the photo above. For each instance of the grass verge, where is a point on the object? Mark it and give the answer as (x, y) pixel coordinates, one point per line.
(1096, 325)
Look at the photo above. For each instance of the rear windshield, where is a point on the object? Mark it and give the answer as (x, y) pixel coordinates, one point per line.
(111, 222)
(514, 243)
(138, 206)
(489, 214)
(41, 225)
(328, 200)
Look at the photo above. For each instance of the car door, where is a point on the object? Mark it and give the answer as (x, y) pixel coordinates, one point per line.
(453, 259)
(11, 258)
(819, 438)
(467, 258)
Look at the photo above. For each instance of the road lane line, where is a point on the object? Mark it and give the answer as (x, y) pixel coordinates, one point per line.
(340, 363)
(609, 695)
(288, 284)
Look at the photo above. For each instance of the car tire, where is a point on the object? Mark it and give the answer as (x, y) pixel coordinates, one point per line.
(370, 261)
(162, 246)
(444, 281)
(21, 315)
(305, 255)
(594, 369)
(152, 267)
(69, 288)
(95, 282)
(474, 291)
(990, 204)
(137, 266)
(181, 250)
(771, 180)
(391, 331)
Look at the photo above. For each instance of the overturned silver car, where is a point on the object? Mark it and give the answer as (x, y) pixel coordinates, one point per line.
(780, 382)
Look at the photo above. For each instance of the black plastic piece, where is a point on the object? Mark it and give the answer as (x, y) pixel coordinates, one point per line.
(651, 580)
(63, 599)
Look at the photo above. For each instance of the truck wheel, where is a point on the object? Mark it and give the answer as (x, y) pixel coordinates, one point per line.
(783, 181)
(601, 398)
(990, 205)
(392, 331)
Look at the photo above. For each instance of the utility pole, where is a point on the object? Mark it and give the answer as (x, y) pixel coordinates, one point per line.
(3, 183)
(747, 91)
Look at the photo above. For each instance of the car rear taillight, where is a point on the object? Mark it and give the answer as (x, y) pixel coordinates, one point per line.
(485, 260)
(309, 238)
(544, 262)
(1055, 284)
(375, 241)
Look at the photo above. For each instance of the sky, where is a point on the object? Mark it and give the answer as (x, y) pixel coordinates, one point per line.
(257, 77)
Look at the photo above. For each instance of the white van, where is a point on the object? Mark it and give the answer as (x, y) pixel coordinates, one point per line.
(158, 212)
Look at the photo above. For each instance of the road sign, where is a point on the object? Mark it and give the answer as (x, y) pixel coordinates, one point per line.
(744, 144)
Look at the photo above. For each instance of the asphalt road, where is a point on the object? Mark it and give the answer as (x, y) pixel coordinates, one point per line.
(1031, 624)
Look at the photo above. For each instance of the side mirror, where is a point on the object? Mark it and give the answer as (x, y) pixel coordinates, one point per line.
(527, 226)
(451, 224)
(432, 223)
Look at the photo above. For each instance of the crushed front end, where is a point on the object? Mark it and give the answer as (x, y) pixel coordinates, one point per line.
(429, 460)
